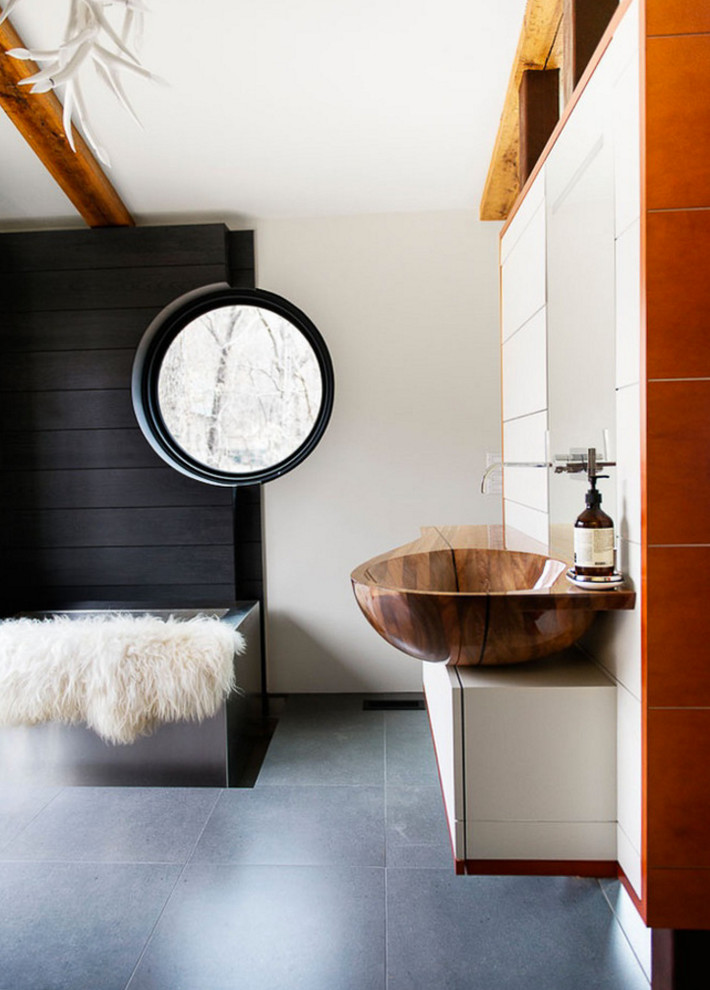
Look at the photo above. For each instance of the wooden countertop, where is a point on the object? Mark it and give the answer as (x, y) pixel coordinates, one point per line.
(497, 538)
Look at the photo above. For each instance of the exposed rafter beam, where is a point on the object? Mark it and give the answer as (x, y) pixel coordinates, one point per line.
(38, 117)
(539, 47)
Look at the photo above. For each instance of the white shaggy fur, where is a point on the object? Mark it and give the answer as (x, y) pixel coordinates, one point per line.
(122, 675)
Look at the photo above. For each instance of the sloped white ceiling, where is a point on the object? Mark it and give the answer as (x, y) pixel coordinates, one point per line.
(276, 109)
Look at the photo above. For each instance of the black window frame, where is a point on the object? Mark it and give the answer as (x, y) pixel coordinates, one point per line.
(148, 361)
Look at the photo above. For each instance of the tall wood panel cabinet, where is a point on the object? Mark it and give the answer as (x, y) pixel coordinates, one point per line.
(656, 120)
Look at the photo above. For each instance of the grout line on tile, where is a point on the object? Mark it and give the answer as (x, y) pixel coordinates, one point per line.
(180, 875)
(27, 824)
(624, 230)
(386, 945)
(670, 546)
(525, 322)
(676, 209)
(384, 799)
(527, 415)
(92, 862)
(679, 708)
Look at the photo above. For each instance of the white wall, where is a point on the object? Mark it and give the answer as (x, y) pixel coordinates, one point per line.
(408, 305)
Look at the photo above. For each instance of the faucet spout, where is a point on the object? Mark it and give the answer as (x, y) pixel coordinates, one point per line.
(504, 464)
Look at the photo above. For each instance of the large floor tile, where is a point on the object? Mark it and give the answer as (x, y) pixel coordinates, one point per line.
(73, 926)
(19, 804)
(409, 749)
(417, 833)
(503, 933)
(116, 824)
(326, 739)
(258, 927)
(297, 826)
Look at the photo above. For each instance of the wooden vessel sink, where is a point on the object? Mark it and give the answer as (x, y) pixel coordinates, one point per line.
(459, 595)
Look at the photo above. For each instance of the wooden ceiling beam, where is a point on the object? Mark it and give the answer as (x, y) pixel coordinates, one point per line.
(539, 47)
(38, 117)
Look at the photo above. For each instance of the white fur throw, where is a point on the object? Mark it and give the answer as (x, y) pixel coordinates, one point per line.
(122, 675)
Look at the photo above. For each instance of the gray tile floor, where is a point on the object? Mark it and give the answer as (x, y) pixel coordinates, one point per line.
(333, 873)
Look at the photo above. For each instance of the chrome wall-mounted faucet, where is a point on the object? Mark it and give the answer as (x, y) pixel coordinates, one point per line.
(501, 464)
(575, 462)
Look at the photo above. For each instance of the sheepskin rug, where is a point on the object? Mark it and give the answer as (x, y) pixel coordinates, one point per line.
(122, 675)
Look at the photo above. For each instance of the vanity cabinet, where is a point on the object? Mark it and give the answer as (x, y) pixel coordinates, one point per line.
(526, 758)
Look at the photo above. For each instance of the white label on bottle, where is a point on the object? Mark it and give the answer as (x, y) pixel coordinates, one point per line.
(594, 547)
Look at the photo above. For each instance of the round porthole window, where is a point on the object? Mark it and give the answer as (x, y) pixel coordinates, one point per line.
(232, 386)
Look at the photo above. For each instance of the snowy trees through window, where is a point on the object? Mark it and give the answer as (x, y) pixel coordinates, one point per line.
(240, 388)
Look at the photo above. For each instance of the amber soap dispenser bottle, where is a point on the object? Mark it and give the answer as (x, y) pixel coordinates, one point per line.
(593, 532)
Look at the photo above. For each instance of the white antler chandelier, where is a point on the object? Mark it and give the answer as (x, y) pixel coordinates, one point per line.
(90, 38)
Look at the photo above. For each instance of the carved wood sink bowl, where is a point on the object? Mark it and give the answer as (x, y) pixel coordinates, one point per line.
(457, 597)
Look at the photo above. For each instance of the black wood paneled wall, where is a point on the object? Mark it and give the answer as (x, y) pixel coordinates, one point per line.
(89, 511)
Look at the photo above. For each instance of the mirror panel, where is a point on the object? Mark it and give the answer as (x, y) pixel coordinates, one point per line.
(581, 306)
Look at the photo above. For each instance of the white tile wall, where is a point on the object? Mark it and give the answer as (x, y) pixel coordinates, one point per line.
(527, 486)
(629, 766)
(523, 276)
(628, 463)
(532, 522)
(615, 637)
(629, 859)
(524, 440)
(525, 369)
(628, 305)
(625, 110)
(520, 222)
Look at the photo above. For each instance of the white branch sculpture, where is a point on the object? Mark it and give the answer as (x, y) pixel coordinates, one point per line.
(87, 36)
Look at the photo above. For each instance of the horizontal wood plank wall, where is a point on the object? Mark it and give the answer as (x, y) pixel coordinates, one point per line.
(89, 511)
(677, 689)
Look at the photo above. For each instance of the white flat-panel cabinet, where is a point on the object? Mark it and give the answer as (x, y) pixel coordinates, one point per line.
(532, 775)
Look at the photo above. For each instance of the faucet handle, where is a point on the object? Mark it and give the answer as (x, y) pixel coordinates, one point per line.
(578, 462)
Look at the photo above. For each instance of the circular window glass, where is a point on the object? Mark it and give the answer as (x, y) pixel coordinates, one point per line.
(232, 386)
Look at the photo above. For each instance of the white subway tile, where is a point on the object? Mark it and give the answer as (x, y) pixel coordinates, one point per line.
(628, 463)
(625, 110)
(523, 276)
(525, 369)
(524, 441)
(527, 209)
(629, 765)
(629, 859)
(628, 306)
(531, 522)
